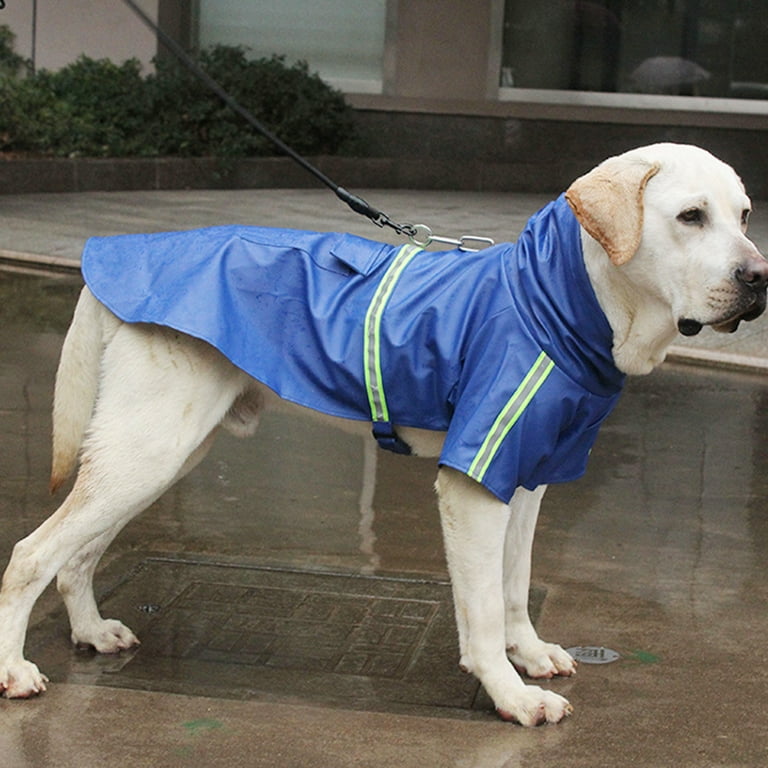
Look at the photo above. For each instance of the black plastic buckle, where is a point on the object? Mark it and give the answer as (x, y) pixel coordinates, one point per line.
(387, 438)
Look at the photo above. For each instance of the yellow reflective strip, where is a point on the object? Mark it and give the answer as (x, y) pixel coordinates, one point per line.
(374, 382)
(509, 415)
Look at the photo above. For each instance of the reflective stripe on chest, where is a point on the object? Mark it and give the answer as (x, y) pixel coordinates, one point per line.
(509, 416)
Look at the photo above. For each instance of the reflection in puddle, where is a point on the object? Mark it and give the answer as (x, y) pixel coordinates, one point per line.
(367, 513)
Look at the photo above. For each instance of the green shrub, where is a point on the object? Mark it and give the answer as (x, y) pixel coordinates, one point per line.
(97, 108)
(11, 64)
(93, 108)
(295, 105)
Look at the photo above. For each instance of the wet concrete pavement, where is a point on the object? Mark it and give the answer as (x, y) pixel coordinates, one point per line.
(657, 553)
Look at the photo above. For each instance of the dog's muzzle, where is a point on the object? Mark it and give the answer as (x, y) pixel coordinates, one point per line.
(753, 281)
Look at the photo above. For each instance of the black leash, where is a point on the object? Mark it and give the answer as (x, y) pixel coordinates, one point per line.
(357, 204)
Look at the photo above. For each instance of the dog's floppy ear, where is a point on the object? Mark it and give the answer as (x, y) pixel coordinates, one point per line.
(608, 202)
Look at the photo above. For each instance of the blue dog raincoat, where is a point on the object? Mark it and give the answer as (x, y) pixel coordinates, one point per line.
(507, 349)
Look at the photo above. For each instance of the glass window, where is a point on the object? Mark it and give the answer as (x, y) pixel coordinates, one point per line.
(342, 40)
(709, 48)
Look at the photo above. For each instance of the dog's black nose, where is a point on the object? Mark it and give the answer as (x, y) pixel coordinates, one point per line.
(689, 327)
(754, 275)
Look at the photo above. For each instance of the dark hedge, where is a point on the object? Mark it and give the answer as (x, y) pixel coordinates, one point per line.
(95, 108)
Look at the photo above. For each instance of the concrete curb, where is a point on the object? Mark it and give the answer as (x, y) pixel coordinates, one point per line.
(38, 262)
(716, 359)
(87, 174)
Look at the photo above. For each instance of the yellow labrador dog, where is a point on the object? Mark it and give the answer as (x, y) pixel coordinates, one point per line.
(512, 357)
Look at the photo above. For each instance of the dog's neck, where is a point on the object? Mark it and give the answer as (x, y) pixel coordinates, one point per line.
(642, 325)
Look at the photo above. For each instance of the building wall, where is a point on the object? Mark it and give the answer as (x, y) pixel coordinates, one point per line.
(54, 33)
(444, 49)
(439, 117)
(435, 48)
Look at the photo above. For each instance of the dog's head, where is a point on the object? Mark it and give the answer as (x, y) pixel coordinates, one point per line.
(673, 218)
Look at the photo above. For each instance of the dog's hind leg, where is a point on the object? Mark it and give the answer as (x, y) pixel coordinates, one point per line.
(474, 525)
(161, 395)
(75, 584)
(86, 515)
(528, 653)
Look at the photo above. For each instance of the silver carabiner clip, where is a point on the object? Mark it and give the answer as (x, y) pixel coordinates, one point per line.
(421, 235)
(484, 242)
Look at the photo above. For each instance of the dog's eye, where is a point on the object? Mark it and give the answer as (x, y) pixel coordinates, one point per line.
(692, 216)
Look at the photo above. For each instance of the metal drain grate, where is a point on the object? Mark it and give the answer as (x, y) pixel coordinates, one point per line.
(304, 628)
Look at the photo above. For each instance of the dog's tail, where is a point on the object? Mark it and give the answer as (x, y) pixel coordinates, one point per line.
(77, 381)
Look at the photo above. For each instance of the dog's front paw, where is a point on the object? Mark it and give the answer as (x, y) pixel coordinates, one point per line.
(538, 660)
(107, 636)
(533, 706)
(21, 679)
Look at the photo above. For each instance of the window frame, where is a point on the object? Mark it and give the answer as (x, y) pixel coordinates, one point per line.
(631, 108)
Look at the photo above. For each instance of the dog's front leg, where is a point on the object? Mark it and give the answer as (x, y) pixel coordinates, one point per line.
(474, 527)
(529, 654)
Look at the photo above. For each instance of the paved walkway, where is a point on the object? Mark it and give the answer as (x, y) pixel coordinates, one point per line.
(51, 229)
(669, 559)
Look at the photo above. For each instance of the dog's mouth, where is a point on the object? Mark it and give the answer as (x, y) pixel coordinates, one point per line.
(690, 327)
